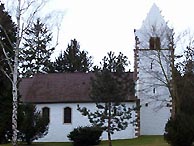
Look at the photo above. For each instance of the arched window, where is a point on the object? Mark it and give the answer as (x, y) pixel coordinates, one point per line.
(46, 113)
(67, 115)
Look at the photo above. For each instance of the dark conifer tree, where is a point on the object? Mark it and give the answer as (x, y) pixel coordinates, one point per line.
(110, 87)
(72, 59)
(7, 39)
(32, 125)
(179, 130)
(36, 53)
(5, 109)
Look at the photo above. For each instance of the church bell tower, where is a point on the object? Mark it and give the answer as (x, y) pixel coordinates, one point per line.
(152, 69)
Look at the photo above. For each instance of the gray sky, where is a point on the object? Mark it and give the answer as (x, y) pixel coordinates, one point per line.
(107, 25)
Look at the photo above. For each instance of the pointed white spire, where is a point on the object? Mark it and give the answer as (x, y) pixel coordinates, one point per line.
(153, 26)
(154, 17)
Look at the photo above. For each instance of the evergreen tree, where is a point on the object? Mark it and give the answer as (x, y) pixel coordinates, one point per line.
(7, 37)
(72, 60)
(32, 125)
(185, 82)
(179, 131)
(110, 87)
(58, 64)
(36, 54)
(5, 109)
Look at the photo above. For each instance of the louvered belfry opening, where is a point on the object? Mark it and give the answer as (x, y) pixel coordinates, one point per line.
(154, 43)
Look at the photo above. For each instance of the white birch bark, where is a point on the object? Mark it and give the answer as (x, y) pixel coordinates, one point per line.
(15, 77)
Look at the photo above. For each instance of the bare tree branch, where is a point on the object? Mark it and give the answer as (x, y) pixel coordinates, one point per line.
(7, 58)
(6, 74)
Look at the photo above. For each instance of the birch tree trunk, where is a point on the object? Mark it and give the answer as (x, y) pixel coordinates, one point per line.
(21, 25)
(15, 77)
(15, 104)
(109, 122)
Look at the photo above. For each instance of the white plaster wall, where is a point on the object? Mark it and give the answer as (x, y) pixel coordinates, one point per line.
(153, 117)
(152, 120)
(58, 131)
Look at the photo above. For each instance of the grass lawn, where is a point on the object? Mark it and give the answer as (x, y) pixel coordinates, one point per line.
(141, 141)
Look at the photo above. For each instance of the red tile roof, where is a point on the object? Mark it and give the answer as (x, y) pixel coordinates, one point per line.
(57, 87)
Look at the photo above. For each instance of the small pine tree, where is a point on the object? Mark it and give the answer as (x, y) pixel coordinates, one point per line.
(32, 125)
(110, 87)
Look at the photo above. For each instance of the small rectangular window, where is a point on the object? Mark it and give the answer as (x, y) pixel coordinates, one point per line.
(46, 113)
(154, 43)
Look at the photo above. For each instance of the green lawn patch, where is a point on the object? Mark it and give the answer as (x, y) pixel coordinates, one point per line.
(141, 141)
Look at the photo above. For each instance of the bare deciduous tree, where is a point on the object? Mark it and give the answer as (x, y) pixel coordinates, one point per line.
(23, 13)
(154, 65)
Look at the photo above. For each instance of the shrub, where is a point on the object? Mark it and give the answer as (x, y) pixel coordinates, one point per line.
(85, 136)
(180, 130)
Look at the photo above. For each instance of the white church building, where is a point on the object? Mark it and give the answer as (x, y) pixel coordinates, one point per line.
(58, 94)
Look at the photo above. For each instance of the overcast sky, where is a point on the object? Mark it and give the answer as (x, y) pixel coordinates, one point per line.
(107, 25)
